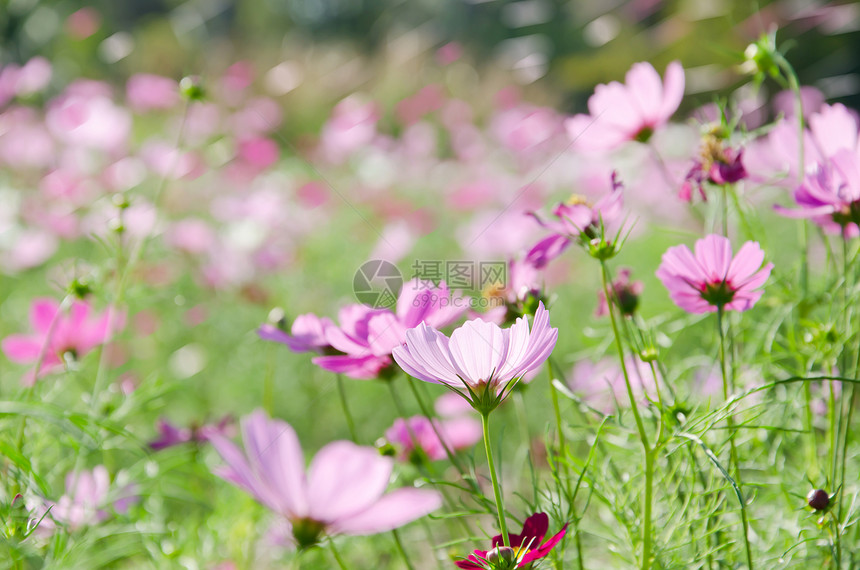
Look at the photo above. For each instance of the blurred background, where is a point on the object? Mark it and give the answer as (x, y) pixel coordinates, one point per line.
(557, 49)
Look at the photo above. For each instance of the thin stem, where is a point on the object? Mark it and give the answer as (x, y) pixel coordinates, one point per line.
(643, 437)
(497, 492)
(401, 550)
(562, 441)
(340, 563)
(350, 423)
(727, 384)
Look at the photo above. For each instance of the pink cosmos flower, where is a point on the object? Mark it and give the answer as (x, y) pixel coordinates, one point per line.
(574, 219)
(360, 345)
(351, 126)
(86, 502)
(145, 92)
(776, 156)
(631, 112)
(342, 492)
(712, 279)
(601, 384)
(525, 548)
(58, 333)
(830, 195)
(418, 432)
(308, 333)
(85, 116)
(480, 361)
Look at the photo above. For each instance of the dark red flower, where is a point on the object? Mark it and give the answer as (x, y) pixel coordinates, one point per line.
(526, 545)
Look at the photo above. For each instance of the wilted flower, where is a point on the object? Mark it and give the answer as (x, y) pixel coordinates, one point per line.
(342, 492)
(712, 279)
(631, 112)
(716, 164)
(480, 361)
(525, 548)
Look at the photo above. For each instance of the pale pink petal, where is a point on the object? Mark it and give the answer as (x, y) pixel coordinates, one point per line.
(673, 90)
(275, 454)
(478, 350)
(345, 479)
(391, 511)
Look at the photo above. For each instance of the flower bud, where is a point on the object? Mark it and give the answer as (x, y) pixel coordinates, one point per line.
(818, 499)
(502, 557)
(191, 88)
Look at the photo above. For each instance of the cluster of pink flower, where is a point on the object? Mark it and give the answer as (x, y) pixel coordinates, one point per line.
(81, 152)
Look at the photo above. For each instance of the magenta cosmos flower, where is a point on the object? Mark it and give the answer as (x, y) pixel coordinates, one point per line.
(360, 345)
(525, 547)
(830, 195)
(58, 333)
(631, 112)
(712, 279)
(480, 361)
(342, 492)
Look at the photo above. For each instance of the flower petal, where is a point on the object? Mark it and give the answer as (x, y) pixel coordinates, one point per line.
(391, 511)
(344, 479)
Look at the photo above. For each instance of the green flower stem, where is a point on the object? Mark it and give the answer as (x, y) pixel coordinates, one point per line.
(426, 411)
(848, 287)
(794, 86)
(401, 550)
(340, 563)
(643, 436)
(350, 423)
(500, 505)
(730, 420)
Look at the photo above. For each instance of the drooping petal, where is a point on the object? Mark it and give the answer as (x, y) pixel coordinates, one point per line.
(546, 250)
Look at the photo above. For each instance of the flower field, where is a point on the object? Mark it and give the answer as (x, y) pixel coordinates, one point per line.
(308, 307)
